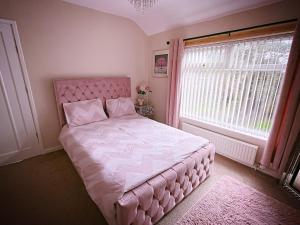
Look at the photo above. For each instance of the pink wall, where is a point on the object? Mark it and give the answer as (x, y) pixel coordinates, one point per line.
(61, 40)
(288, 9)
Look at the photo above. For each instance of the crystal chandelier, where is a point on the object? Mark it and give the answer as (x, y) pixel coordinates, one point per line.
(142, 5)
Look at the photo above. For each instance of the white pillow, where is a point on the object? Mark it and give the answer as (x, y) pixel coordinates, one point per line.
(120, 107)
(84, 112)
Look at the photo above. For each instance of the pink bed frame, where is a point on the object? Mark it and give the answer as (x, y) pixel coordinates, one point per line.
(149, 202)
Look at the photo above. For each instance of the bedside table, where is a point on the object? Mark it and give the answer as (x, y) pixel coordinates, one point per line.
(145, 110)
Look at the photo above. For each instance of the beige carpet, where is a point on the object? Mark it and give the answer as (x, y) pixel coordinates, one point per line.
(47, 190)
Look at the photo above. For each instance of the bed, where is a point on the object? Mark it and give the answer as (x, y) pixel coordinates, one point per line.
(135, 169)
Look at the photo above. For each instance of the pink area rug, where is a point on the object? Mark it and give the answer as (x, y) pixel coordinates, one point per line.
(232, 202)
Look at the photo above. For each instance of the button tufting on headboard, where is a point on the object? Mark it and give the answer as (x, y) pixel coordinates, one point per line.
(72, 90)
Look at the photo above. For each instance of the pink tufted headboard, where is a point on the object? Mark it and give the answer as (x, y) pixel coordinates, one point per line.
(72, 90)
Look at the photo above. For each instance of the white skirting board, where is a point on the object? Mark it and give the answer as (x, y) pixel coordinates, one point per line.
(237, 150)
(16, 157)
(53, 149)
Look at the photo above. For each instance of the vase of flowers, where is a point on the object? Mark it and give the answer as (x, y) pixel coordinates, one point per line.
(143, 92)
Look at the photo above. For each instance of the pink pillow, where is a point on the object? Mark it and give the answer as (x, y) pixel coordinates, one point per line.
(120, 107)
(83, 112)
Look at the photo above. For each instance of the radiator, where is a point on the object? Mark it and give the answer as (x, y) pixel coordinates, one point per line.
(237, 150)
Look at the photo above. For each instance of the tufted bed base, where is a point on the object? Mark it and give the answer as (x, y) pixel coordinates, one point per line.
(149, 202)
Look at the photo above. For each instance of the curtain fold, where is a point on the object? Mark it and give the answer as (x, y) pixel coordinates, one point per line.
(173, 96)
(286, 123)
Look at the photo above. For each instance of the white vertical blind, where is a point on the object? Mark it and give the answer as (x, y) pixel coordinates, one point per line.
(235, 84)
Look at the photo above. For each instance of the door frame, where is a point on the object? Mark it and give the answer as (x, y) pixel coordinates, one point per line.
(17, 40)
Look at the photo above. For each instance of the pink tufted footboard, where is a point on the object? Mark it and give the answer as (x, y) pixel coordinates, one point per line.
(149, 202)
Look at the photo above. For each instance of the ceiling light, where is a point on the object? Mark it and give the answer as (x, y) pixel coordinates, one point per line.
(142, 5)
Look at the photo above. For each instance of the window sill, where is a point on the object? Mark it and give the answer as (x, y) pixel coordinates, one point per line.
(225, 131)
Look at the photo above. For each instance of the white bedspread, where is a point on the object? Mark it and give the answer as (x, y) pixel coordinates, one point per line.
(116, 155)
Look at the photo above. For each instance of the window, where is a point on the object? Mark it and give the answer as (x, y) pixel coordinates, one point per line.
(235, 84)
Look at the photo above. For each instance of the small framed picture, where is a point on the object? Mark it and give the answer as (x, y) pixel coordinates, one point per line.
(161, 63)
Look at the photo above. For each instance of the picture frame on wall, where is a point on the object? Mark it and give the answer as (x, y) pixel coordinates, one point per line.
(161, 63)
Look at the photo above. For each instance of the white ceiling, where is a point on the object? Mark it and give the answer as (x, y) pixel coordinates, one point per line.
(168, 14)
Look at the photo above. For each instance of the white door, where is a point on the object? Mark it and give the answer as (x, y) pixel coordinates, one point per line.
(18, 136)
